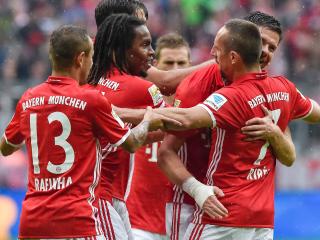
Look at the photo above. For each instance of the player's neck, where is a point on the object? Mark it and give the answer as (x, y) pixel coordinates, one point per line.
(241, 71)
(66, 73)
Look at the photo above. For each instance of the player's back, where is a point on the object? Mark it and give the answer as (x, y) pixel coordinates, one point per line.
(123, 90)
(245, 170)
(58, 121)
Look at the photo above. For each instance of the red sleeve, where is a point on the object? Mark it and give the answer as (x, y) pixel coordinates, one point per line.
(198, 86)
(302, 106)
(107, 123)
(222, 112)
(195, 88)
(156, 96)
(12, 133)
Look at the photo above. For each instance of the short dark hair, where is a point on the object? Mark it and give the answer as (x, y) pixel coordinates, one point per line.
(114, 37)
(107, 7)
(172, 41)
(264, 20)
(65, 43)
(140, 5)
(244, 38)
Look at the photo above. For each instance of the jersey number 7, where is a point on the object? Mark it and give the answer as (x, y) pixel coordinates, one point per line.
(263, 151)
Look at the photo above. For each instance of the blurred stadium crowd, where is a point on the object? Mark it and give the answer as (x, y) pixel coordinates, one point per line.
(25, 26)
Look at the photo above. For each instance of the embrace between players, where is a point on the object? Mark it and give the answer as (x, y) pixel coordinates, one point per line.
(80, 166)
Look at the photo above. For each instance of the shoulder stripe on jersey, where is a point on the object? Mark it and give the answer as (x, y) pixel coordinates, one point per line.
(10, 143)
(117, 144)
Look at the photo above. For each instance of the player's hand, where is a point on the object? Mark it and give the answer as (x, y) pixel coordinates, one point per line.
(213, 207)
(158, 121)
(260, 128)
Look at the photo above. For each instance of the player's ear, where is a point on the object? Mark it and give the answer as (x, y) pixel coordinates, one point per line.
(234, 57)
(79, 61)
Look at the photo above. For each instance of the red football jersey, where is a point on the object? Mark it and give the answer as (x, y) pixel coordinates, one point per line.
(123, 90)
(245, 170)
(193, 90)
(147, 199)
(61, 125)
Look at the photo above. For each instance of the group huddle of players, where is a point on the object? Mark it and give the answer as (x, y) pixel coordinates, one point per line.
(99, 130)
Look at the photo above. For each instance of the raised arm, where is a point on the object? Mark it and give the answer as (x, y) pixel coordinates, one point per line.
(168, 81)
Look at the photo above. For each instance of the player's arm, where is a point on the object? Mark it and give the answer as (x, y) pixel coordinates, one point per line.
(151, 121)
(6, 148)
(265, 129)
(314, 115)
(172, 166)
(195, 117)
(129, 115)
(168, 81)
(190, 118)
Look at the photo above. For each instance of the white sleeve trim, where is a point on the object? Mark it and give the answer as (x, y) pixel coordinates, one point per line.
(214, 121)
(124, 138)
(310, 111)
(11, 144)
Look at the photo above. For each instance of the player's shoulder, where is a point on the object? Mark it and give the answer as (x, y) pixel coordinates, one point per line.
(199, 76)
(91, 95)
(281, 80)
(35, 91)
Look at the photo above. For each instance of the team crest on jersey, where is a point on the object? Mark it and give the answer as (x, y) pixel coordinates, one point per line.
(116, 117)
(155, 95)
(177, 103)
(216, 101)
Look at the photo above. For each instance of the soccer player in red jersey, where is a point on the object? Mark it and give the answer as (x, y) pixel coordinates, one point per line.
(62, 126)
(200, 84)
(147, 202)
(123, 53)
(244, 171)
(166, 81)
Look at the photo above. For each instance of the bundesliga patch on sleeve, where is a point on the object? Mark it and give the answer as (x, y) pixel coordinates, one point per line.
(177, 103)
(215, 101)
(155, 95)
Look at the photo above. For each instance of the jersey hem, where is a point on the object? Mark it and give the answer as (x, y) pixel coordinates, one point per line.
(58, 237)
(235, 225)
(143, 228)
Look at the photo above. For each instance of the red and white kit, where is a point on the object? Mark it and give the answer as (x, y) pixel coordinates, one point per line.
(193, 90)
(245, 170)
(123, 90)
(61, 125)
